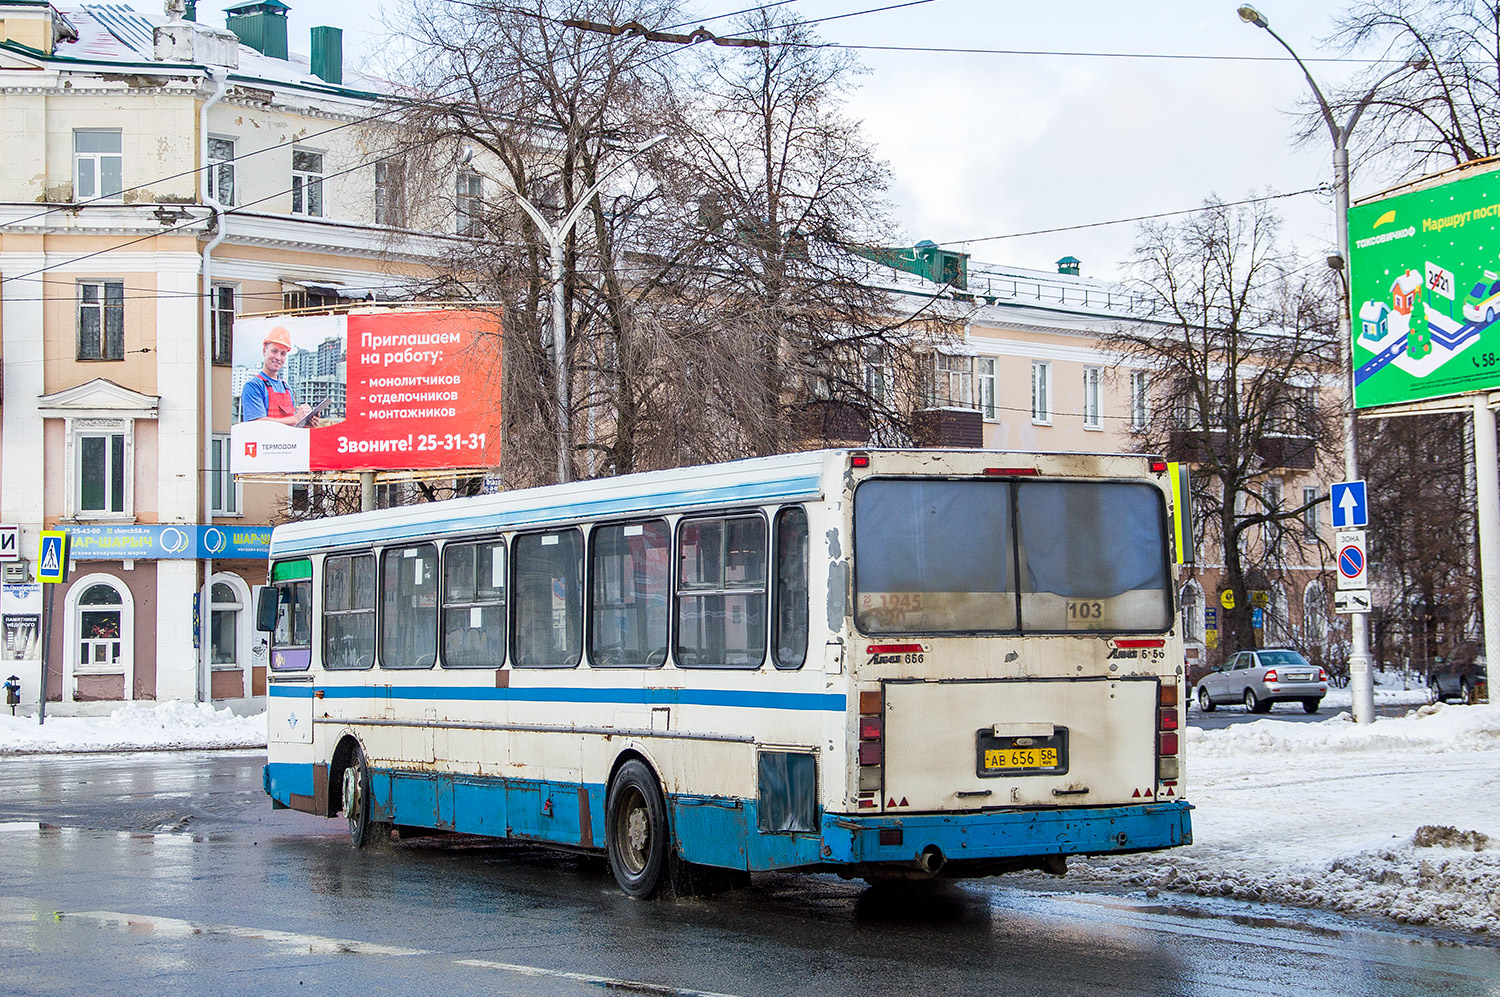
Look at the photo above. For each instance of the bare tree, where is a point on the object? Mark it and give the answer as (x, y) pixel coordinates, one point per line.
(1444, 114)
(1237, 348)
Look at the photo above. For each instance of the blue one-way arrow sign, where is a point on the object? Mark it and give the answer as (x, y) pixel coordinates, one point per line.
(1350, 510)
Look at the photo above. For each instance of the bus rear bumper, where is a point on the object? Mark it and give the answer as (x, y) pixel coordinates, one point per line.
(1013, 834)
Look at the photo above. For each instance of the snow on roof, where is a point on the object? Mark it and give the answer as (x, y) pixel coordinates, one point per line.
(1407, 282)
(120, 33)
(1374, 311)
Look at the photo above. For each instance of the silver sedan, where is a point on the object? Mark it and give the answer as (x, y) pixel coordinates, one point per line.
(1259, 679)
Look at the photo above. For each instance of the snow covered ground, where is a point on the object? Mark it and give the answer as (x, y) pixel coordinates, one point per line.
(1399, 818)
(135, 726)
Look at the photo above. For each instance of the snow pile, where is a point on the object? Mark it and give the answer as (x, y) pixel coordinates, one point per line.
(1397, 818)
(135, 726)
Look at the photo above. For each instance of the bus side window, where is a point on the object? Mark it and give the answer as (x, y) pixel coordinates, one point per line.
(474, 605)
(721, 592)
(349, 611)
(629, 571)
(547, 593)
(291, 639)
(789, 621)
(409, 610)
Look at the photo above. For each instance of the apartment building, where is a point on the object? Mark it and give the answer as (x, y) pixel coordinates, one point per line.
(122, 282)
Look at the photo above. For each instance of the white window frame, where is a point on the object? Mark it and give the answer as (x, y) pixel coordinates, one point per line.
(877, 378)
(243, 632)
(102, 305)
(469, 195)
(307, 185)
(390, 193)
(98, 160)
(952, 381)
(1191, 611)
(73, 625)
(1310, 525)
(1140, 399)
(79, 429)
(221, 171)
(228, 485)
(1041, 393)
(217, 313)
(1093, 399)
(986, 389)
(1315, 595)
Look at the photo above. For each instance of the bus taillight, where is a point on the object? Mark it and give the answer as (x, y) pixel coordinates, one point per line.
(1168, 742)
(871, 746)
(1168, 720)
(1167, 723)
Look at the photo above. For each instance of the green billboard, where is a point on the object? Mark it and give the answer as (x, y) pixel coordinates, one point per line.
(1424, 275)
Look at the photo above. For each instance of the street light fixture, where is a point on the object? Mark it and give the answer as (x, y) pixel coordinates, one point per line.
(556, 236)
(1361, 684)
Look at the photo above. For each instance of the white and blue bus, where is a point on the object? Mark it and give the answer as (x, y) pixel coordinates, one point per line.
(881, 663)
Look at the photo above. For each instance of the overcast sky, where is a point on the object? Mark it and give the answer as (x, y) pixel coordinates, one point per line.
(992, 145)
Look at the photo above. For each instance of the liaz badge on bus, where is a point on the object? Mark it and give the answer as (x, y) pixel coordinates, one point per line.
(1011, 752)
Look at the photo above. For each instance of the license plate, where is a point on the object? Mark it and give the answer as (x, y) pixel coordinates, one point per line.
(1014, 755)
(1020, 758)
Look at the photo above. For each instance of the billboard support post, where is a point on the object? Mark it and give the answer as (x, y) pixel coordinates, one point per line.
(366, 491)
(1487, 509)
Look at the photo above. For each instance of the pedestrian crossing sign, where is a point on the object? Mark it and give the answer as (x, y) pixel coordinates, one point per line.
(52, 559)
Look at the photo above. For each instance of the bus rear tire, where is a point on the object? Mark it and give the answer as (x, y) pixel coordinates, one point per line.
(635, 830)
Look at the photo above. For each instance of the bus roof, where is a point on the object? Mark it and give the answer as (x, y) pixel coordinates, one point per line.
(793, 477)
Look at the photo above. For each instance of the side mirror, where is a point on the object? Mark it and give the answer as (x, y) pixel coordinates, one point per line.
(266, 607)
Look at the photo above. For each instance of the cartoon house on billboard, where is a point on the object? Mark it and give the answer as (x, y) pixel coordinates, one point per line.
(1404, 291)
(1374, 320)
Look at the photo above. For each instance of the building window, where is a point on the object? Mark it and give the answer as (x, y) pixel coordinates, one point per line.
(1314, 614)
(390, 206)
(307, 183)
(101, 320)
(225, 491)
(1041, 393)
(470, 205)
(877, 380)
(101, 627)
(101, 472)
(221, 315)
(988, 393)
(221, 170)
(1140, 383)
(1272, 498)
(1091, 400)
(952, 381)
(1192, 613)
(98, 165)
(224, 626)
(1310, 513)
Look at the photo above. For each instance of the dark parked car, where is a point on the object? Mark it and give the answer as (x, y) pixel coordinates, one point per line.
(1463, 681)
(1262, 678)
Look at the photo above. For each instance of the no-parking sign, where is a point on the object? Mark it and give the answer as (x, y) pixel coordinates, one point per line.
(1351, 559)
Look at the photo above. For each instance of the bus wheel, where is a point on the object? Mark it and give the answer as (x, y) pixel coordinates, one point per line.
(357, 799)
(635, 830)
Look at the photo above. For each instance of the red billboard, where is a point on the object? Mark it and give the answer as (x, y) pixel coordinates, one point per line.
(372, 390)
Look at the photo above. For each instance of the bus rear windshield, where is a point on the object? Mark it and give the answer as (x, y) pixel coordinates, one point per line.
(1010, 556)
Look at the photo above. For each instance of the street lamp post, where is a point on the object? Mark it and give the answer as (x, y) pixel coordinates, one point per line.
(1361, 683)
(556, 236)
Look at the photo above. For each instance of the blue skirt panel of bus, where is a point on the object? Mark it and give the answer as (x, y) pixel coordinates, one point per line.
(722, 831)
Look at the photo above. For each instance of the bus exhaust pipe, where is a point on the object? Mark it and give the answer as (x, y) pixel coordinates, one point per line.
(931, 860)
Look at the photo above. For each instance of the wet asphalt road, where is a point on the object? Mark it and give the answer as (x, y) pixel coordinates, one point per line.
(1228, 716)
(169, 873)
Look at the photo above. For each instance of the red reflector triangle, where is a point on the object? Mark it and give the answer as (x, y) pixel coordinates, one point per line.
(892, 803)
(904, 803)
(1169, 791)
(1148, 792)
(1136, 795)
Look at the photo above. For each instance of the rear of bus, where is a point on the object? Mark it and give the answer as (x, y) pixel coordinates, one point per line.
(1015, 662)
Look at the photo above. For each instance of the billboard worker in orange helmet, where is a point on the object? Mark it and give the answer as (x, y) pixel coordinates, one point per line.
(266, 395)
